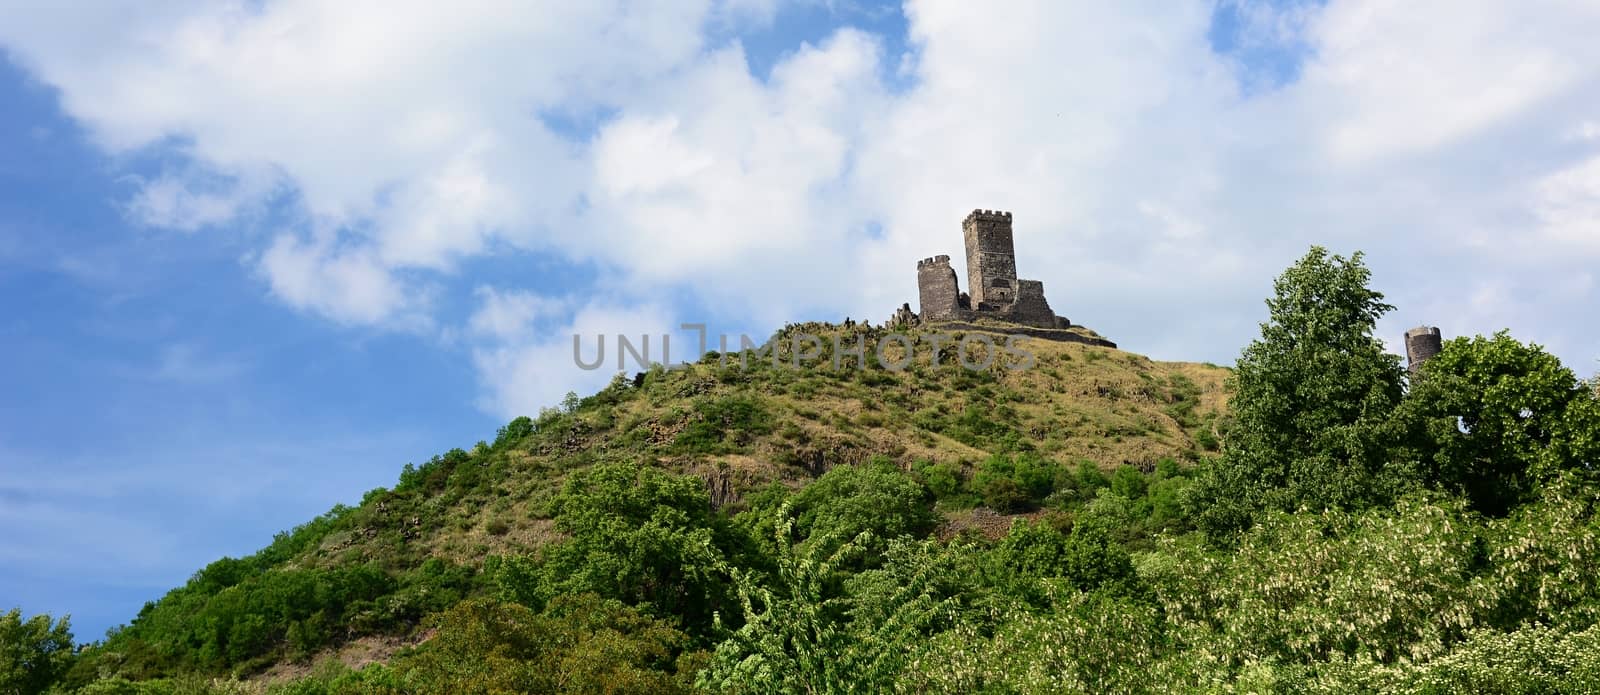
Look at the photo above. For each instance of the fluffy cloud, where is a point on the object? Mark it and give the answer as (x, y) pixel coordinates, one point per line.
(1158, 183)
(739, 187)
(348, 285)
(416, 128)
(511, 314)
(1568, 203)
(1398, 78)
(523, 374)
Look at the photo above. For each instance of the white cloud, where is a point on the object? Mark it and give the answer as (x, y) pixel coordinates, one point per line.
(511, 314)
(522, 376)
(1401, 77)
(1568, 204)
(729, 183)
(347, 285)
(192, 200)
(413, 126)
(1153, 195)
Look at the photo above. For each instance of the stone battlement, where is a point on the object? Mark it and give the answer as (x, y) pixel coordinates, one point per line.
(933, 262)
(994, 215)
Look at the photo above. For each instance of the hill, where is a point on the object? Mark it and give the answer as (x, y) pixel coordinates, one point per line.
(739, 428)
(738, 423)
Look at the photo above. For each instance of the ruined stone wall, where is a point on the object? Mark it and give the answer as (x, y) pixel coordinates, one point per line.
(991, 258)
(1422, 343)
(937, 292)
(1030, 307)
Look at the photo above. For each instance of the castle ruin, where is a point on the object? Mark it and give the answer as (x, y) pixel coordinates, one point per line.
(995, 291)
(997, 294)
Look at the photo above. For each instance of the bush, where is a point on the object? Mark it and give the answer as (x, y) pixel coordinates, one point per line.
(1128, 482)
(875, 497)
(581, 644)
(942, 479)
(638, 535)
(1017, 482)
(723, 424)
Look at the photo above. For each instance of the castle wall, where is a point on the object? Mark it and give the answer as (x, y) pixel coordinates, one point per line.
(991, 258)
(1030, 307)
(937, 292)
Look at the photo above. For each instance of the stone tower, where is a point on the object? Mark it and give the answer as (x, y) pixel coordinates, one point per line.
(991, 258)
(1422, 343)
(937, 292)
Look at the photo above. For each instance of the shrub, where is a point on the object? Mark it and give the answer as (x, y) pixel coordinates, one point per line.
(722, 425)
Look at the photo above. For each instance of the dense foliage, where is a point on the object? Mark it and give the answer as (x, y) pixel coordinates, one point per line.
(34, 653)
(1347, 529)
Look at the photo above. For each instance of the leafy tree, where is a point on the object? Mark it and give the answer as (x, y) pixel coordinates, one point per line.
(34, 653)
(1544, 558)
(638, 535)
(1168, 493)
(804, 635)
(1090, 478)
(1493, 419)
(875, 497)
(1088, 643)
(1128, 482)
(1081, 561)
(1381, 585)
(942, 479)
(1016, 483)
(518, 428)
(570, 402)
(1309, 396)
(579, 644)
(1536, 659)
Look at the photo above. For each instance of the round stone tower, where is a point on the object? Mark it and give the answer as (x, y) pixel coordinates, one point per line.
(1422, 343)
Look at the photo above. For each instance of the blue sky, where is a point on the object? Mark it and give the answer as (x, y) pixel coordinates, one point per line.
(256, 257)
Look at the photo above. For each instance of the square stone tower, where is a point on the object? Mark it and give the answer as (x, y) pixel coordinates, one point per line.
(937, 291)
(991, 258)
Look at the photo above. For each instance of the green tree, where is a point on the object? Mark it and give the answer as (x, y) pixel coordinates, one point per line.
(1309, 397)
(1128, 482)
(806, 634)
(1381, 585)
(1085, 561)
(638, 535)
(1012, 483)
(1493, 419)
(34, 653)
(1088, 643)
(1536, 659)
(875, 497)
(579, 644)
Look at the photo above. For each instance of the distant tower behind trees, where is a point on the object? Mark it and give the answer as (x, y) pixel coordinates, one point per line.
(1422, 343)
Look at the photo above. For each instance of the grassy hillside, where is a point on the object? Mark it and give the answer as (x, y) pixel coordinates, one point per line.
(371, 573)
(740, 428)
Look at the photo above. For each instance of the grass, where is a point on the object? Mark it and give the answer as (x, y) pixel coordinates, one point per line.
(741, 429)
